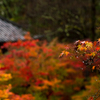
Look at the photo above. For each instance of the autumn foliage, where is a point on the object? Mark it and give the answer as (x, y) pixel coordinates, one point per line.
(39, 72)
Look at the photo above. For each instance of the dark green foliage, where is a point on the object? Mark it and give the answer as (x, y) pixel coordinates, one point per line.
(66, 19)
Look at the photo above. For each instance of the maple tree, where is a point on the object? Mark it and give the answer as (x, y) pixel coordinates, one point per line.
(89, 53)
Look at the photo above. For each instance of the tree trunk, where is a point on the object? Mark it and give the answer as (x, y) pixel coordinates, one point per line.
(93, 19)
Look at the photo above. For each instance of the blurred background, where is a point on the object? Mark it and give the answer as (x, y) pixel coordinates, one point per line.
(34, 66)
(68, 20)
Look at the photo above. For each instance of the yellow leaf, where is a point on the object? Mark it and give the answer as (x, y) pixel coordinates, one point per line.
(66, 53)
(89, 44)
(1, 65)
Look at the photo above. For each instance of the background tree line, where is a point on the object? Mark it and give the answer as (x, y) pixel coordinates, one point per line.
(66, 19)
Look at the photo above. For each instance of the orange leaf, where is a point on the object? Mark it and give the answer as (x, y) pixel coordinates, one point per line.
(90, 98)
(27, 36)
(63, 52)
(93, 68)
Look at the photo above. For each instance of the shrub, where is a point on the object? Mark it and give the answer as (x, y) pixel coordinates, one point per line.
(37, 69)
